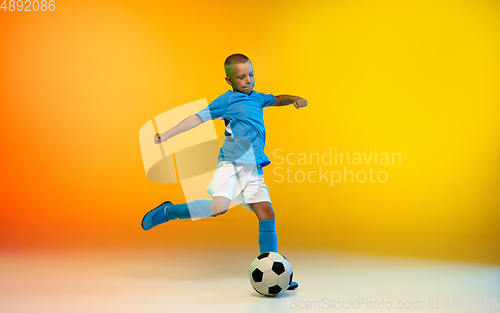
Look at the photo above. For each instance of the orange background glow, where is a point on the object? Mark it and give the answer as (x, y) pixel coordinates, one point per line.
(418, 78)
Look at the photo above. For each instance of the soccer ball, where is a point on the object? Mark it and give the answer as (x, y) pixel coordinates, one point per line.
(270, 274)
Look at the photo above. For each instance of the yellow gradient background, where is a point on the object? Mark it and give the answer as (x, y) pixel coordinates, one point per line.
(418, 78)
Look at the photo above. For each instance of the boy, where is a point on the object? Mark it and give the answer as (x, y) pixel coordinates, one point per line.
(239, 175)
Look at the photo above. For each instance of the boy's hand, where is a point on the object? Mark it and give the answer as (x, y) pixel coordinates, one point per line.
(159, 138)
(300, 103)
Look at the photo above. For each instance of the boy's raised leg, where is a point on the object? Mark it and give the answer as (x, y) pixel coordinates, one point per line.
(168, 211)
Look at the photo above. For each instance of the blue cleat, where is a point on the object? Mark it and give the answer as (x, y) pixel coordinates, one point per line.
(293, 286)
(156, 216)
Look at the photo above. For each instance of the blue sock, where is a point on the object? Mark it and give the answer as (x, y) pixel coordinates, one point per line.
(268, 240)
(193, 209)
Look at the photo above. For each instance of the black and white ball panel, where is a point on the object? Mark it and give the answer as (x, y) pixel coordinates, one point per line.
(270, 274)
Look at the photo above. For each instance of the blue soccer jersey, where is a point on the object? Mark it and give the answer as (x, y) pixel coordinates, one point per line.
(245, 130)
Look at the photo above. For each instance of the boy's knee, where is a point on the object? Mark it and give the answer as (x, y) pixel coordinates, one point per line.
(264, 211)
(268, 214)
(219, 213)
(220, 206)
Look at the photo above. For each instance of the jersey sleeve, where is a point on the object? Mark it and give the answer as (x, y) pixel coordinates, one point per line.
(214, 110)
(267, 99)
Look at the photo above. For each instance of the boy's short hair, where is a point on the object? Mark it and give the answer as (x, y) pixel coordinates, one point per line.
(234, 59)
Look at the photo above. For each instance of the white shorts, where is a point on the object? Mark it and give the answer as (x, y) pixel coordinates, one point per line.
(240, 183)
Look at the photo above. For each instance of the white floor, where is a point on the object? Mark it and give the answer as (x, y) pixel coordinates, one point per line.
(213, 280)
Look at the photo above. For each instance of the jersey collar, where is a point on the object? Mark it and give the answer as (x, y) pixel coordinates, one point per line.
(251, 93)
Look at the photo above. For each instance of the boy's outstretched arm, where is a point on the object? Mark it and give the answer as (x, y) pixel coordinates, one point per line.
(184, 125)
(282, 100)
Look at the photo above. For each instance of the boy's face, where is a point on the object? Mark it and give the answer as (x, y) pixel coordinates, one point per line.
(241, 77)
